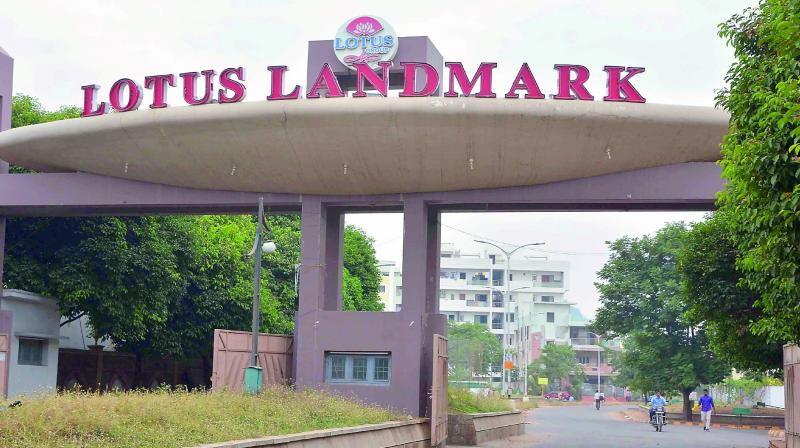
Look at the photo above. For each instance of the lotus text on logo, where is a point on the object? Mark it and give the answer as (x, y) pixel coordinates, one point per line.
(365, 40)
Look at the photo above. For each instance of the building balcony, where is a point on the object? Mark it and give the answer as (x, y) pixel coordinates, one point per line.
(585, 341)
(593, 370)
(477, 303)
(478, 281)
(497, 325)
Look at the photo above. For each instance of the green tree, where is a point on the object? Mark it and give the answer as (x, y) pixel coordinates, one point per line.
(560, 365)
(161, 284)
(719, 302)
(360, 263)
(27, 110)
(472, 349)
(761, 160)
(642, 299)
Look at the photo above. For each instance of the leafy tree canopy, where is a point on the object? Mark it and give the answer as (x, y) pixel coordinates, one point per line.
(761, 160)
(642, 299)
(472, 349)
(161, 284)
(557, 363)
(719, 302)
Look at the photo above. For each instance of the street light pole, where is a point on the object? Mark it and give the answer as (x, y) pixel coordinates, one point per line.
(506, 309)
(257, 285)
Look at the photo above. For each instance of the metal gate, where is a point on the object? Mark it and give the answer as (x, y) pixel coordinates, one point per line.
(791, 376)
(232, 355)
(439, 391)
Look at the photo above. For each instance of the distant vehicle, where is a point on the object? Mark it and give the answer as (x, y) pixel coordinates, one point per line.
(562, 396)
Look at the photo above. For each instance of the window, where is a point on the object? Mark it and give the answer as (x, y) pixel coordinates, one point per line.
(548, 299)
(398, 307)
(462, 296)
(462, 275)
(493, 258)
(382, 289)
(550, 343)
(358, 368)
(481, 297)
(480, 319)
(510, 277)
(31, 352)
(451, 317)
(399, 290)
(546, 278)
(337, 367)
(381, 369)
(551, 317)
(452, 297)
(583, 359)
(511, 317)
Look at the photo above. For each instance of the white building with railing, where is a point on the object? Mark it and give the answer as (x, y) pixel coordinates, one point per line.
(471, 288)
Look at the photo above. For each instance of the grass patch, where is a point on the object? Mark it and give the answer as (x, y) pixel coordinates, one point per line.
(461, 401)
(175, 419)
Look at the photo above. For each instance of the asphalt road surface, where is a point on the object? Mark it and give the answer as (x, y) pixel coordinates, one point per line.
(585, 427)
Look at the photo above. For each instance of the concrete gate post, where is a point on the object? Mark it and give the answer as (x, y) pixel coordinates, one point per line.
(321, 264)
(321, 327)
(421, 248)
(6, 94)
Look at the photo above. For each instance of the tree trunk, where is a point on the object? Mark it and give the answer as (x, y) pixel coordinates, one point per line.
(687, 406)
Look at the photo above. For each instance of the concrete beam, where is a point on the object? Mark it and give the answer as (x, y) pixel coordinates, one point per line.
(685, 186)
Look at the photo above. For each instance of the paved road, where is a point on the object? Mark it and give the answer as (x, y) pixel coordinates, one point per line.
(585, 427)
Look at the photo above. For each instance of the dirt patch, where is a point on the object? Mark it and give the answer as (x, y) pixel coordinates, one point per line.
(636, 415)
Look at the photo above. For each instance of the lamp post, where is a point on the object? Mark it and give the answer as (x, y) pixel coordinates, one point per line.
(599, 348)
(505, 299)
(524, 351)
(253, 372)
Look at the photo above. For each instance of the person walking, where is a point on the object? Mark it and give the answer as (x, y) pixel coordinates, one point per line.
(706, 407)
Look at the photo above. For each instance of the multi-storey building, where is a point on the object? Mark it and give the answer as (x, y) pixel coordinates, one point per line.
(471, 289)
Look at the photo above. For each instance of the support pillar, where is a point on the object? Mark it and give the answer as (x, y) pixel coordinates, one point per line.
(321, 266)
(6, 94)
(421, 254)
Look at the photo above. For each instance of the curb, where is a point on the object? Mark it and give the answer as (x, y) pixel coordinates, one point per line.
(717, 425)
(724, 425)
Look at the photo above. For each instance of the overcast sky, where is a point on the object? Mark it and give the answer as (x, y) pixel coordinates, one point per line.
(59, 46)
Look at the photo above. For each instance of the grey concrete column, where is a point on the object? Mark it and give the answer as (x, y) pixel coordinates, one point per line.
(321, 264)
(421, 241)
(421, 249)
(6, 94)
(321, 256)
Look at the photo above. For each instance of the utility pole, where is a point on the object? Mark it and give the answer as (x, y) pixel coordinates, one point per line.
(507, 305)
(257, 285)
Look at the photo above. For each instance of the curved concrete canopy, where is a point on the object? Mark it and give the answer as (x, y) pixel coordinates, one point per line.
(372, 145)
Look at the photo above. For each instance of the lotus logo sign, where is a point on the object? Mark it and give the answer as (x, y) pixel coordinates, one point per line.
(365, 40)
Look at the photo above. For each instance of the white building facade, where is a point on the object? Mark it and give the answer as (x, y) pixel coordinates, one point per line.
(472, 287)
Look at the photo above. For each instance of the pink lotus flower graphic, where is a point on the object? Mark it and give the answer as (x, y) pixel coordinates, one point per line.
(364, 26)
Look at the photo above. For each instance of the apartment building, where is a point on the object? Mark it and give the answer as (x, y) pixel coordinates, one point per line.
(471, 288)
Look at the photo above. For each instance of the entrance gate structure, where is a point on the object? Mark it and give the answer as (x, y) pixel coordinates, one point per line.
(326, 157)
